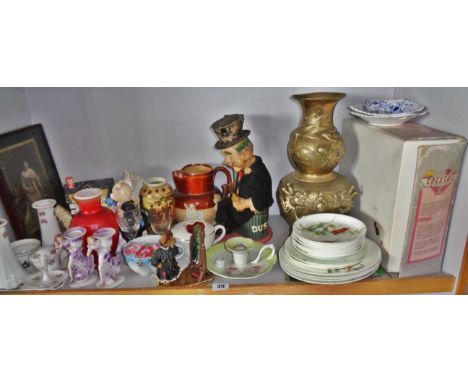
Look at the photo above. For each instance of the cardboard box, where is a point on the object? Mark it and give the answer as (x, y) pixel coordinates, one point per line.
(407, 177)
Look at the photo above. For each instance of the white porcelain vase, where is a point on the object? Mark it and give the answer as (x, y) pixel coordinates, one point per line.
(12, 274)
(47, 220)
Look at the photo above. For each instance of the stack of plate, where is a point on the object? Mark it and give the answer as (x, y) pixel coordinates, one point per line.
(381, 112)
(329, 249)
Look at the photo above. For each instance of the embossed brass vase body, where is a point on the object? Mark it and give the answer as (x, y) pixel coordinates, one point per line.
(314, 149)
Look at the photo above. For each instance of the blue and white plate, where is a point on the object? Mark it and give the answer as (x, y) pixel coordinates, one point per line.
(387, 120)
(387, 107)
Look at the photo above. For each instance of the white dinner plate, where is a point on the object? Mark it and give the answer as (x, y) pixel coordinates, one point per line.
(370, 261)
(343, 262)
(329, 229)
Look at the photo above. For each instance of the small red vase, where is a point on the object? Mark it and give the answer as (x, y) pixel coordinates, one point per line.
(93, 216)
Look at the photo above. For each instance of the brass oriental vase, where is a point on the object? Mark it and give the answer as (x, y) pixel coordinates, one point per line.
(314, 149)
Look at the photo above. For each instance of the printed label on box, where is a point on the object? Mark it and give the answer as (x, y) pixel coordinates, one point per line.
(431, 222)
(437, 171)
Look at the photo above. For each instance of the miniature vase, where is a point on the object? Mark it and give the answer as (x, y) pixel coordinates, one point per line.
(93, 215)
(47, 220)
(314, 149)
(12, 274)
(156, 196)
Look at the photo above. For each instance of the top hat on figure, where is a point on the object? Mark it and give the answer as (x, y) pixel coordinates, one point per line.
(229, 130)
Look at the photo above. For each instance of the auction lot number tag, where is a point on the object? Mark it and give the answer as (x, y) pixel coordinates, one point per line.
(220, 286)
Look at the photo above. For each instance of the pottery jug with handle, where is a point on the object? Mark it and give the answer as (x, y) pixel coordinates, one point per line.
(195, 189)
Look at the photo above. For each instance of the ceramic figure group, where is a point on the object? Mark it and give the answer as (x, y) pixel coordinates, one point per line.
(108, 265)
(80, 266)
(251, 191)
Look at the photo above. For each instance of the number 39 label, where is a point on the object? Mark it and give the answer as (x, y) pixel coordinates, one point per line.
(220, 286)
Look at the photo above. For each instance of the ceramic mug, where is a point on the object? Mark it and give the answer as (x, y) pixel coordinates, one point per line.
(240, 247)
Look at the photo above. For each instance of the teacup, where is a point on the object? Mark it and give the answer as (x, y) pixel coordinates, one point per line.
(23, 250)
(213, 234)
(240, 247)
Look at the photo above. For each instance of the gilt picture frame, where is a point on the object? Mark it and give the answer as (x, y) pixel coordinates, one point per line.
(27, 174)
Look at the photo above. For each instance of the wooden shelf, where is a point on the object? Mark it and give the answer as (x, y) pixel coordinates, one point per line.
(276, 282)
(375, 286)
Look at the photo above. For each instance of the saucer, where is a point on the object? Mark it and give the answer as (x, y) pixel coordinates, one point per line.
(231, 271)
(34, 281)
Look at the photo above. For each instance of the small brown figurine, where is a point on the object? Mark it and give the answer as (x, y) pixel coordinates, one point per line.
(197, 270)
(164, 259)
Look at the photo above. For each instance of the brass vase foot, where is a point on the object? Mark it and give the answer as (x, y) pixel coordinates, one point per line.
(298, 197)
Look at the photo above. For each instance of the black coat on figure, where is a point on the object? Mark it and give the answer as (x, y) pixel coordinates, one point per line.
(256, 185)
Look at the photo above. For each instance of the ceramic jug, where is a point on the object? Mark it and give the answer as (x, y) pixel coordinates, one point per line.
(47, 221)
(195, 189)
(12, 274)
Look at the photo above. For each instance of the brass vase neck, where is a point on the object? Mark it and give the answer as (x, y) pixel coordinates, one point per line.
(318, 108)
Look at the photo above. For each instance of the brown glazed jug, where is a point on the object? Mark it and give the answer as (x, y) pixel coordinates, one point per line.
(195, 191)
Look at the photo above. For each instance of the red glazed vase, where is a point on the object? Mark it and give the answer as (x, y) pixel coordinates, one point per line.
(93, 216)
(195, 187)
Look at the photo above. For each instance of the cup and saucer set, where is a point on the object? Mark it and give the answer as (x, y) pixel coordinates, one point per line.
(241, 258)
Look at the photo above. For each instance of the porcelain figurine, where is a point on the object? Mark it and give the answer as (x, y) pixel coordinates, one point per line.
(80, 266)
(121, 192)
(195, 190)
(108, 265)
(251, 192)
(197, 271)
(136, 183)
(164, 259)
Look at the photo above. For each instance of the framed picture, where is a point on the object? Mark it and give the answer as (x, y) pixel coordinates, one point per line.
(27, 174)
